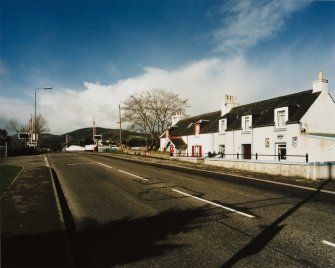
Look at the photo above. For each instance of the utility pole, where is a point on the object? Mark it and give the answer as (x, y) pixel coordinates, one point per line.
(120, 126)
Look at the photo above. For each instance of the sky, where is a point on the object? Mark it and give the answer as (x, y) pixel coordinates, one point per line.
(96, 53)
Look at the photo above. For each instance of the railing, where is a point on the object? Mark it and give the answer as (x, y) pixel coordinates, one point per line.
(255, 156)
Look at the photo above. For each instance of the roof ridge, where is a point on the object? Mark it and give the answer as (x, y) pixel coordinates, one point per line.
(279, 97)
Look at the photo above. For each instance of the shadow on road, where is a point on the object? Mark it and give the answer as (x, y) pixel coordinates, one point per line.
(258, 243)
(130, 240)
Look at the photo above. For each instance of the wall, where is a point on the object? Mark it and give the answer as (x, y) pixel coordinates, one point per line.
(319, 117)
(312, 171)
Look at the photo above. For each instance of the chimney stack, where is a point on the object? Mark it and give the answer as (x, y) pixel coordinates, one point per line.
(228, 103)
(320, 85)
(175, 118)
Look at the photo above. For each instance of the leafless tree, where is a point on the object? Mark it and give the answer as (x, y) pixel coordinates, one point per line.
(15, 126)
(150, 112)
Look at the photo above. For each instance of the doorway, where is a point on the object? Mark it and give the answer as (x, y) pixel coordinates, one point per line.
(246, 151)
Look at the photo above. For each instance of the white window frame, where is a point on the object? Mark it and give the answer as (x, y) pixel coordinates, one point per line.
(244, 120)
(278, 124)
(222, 125)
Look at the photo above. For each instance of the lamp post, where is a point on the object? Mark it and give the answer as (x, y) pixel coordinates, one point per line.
(35, 134)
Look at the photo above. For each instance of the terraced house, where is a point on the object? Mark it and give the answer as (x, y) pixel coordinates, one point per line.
(299, 127)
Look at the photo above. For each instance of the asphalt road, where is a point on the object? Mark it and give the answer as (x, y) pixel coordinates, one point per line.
(131, 214)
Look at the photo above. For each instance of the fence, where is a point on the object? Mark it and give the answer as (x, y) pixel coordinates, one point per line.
(255, 156)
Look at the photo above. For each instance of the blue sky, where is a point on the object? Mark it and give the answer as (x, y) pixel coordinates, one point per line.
(95, 53)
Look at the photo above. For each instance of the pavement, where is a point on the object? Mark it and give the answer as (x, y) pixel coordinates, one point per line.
(32, 229)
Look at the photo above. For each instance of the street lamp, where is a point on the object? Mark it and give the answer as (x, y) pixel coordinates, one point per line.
(35, 137)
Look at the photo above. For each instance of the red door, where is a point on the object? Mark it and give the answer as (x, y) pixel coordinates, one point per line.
(171, 149)
(192, 151)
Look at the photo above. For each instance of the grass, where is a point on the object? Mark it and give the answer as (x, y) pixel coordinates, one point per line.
(7, 175)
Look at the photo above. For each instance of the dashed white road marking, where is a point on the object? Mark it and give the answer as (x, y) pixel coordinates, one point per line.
(46, 161)
(84, 163)
(328, 243)
(214, 204)
(104, 165)
(133, 175)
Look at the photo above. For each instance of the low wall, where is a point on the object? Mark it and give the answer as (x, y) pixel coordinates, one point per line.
(312, 171)
(162, 155)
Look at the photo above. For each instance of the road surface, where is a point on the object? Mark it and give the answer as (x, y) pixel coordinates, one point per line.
(131, 214)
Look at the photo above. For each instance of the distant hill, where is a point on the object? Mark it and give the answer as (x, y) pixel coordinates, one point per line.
(84, 136)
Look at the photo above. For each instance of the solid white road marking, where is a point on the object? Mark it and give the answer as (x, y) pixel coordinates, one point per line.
(132, 175)
(104, 165)
(266, 181)
(328, 243)
(214, 204)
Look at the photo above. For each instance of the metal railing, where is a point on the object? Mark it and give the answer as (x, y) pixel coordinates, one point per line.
(255, 156)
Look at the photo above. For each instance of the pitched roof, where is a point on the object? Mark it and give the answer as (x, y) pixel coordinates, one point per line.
(178, 142)
(263, 111)
(262, 114)
(208, 124)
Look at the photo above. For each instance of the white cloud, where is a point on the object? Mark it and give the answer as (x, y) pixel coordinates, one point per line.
(248, 22)
(203, 82)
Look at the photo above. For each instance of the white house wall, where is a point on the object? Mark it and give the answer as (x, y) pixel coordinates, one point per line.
(320, 118)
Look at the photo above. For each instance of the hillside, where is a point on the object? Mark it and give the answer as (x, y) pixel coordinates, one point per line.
(83, 137)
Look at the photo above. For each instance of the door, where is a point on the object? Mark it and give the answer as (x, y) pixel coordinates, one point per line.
(281, 151)
(246, 151)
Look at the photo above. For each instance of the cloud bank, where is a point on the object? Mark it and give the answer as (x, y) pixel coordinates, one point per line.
(203, 82)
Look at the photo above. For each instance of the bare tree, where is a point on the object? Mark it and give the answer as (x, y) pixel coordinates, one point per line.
(15, 126)
(150, 112)
(41, 125)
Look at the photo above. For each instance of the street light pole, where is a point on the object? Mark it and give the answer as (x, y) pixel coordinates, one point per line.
(35, 134)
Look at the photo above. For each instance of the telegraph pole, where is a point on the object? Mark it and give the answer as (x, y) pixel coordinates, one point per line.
(120, 126)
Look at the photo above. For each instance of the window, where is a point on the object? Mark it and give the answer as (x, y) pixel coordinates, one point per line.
(246, 123)
(222, 125)
(196, 151)
(280, 117)
(197, 130)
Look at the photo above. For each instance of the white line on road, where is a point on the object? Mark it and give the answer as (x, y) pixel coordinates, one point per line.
(328, 243)
(46, 161)
(75, 164)
(132, 175)
(214, 204)
(266, 181)
(104, 165)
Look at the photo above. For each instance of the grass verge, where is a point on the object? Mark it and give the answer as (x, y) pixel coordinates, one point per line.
(7, 175)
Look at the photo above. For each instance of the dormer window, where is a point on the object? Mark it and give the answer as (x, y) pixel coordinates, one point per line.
(281, 117)
(246, 123)
(197, 130)
(222, 125)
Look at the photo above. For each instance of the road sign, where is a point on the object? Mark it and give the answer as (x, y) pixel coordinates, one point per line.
(22, 136)
(97, 137)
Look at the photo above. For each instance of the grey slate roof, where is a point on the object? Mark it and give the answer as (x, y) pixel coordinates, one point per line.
(263, 111)
(262, 114)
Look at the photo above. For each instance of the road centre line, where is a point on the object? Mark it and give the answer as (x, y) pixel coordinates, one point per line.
(132, 175)
(214, 204)
(328, 243)
(104, 165)
(75, 164)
